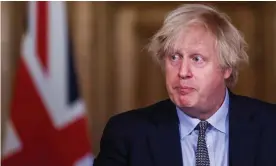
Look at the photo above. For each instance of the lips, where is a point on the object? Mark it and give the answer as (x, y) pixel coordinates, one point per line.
(184, 90)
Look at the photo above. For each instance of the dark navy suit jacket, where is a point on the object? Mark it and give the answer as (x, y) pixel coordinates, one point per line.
(150, 136)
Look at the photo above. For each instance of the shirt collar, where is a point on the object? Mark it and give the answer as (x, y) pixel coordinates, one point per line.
(187, 123)
(219, 120)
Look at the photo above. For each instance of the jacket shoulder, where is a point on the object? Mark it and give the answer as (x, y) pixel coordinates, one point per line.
(140, 115)
(256, 103)
(265, 111)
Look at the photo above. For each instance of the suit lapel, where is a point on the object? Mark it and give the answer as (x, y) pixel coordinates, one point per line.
(164, 136)
(244, 132)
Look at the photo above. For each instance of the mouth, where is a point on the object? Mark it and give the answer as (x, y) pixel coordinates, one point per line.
(184, 90)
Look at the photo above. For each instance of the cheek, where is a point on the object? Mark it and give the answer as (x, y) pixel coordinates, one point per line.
(169, 81)
(171, 75)
(208, 77)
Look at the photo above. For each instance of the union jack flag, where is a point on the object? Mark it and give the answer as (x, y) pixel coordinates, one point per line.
(47, 125)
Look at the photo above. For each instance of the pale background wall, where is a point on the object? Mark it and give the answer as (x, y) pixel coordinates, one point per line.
(115, 71)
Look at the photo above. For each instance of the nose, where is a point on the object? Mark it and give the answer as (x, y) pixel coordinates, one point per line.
(185, 70)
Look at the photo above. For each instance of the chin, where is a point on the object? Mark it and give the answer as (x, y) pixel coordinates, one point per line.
(184, 101)
(185, 104)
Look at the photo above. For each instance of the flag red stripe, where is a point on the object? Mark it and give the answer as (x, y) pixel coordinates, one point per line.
(42, 32)
(43, 144)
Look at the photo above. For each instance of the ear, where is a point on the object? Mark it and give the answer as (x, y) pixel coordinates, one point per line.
(227, 73)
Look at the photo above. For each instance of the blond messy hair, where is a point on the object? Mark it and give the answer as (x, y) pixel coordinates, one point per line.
(229, 41)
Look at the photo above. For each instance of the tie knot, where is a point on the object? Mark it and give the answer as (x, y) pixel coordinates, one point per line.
(202, 126)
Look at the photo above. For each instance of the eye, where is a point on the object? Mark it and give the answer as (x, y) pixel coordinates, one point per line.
(175, 57)
(197, 58)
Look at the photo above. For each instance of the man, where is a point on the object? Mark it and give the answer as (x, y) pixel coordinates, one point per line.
(203, 123)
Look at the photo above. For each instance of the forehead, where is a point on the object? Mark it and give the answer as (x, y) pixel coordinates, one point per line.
(195, 38)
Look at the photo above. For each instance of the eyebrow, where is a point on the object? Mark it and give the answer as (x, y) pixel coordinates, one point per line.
(172, 50)
(178, 51)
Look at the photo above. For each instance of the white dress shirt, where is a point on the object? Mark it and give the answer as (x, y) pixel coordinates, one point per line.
(217, 136)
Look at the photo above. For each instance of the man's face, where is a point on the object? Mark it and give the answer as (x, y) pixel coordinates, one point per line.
(194, 78)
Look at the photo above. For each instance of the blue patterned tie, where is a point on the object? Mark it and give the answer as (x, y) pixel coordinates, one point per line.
(202, 156)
